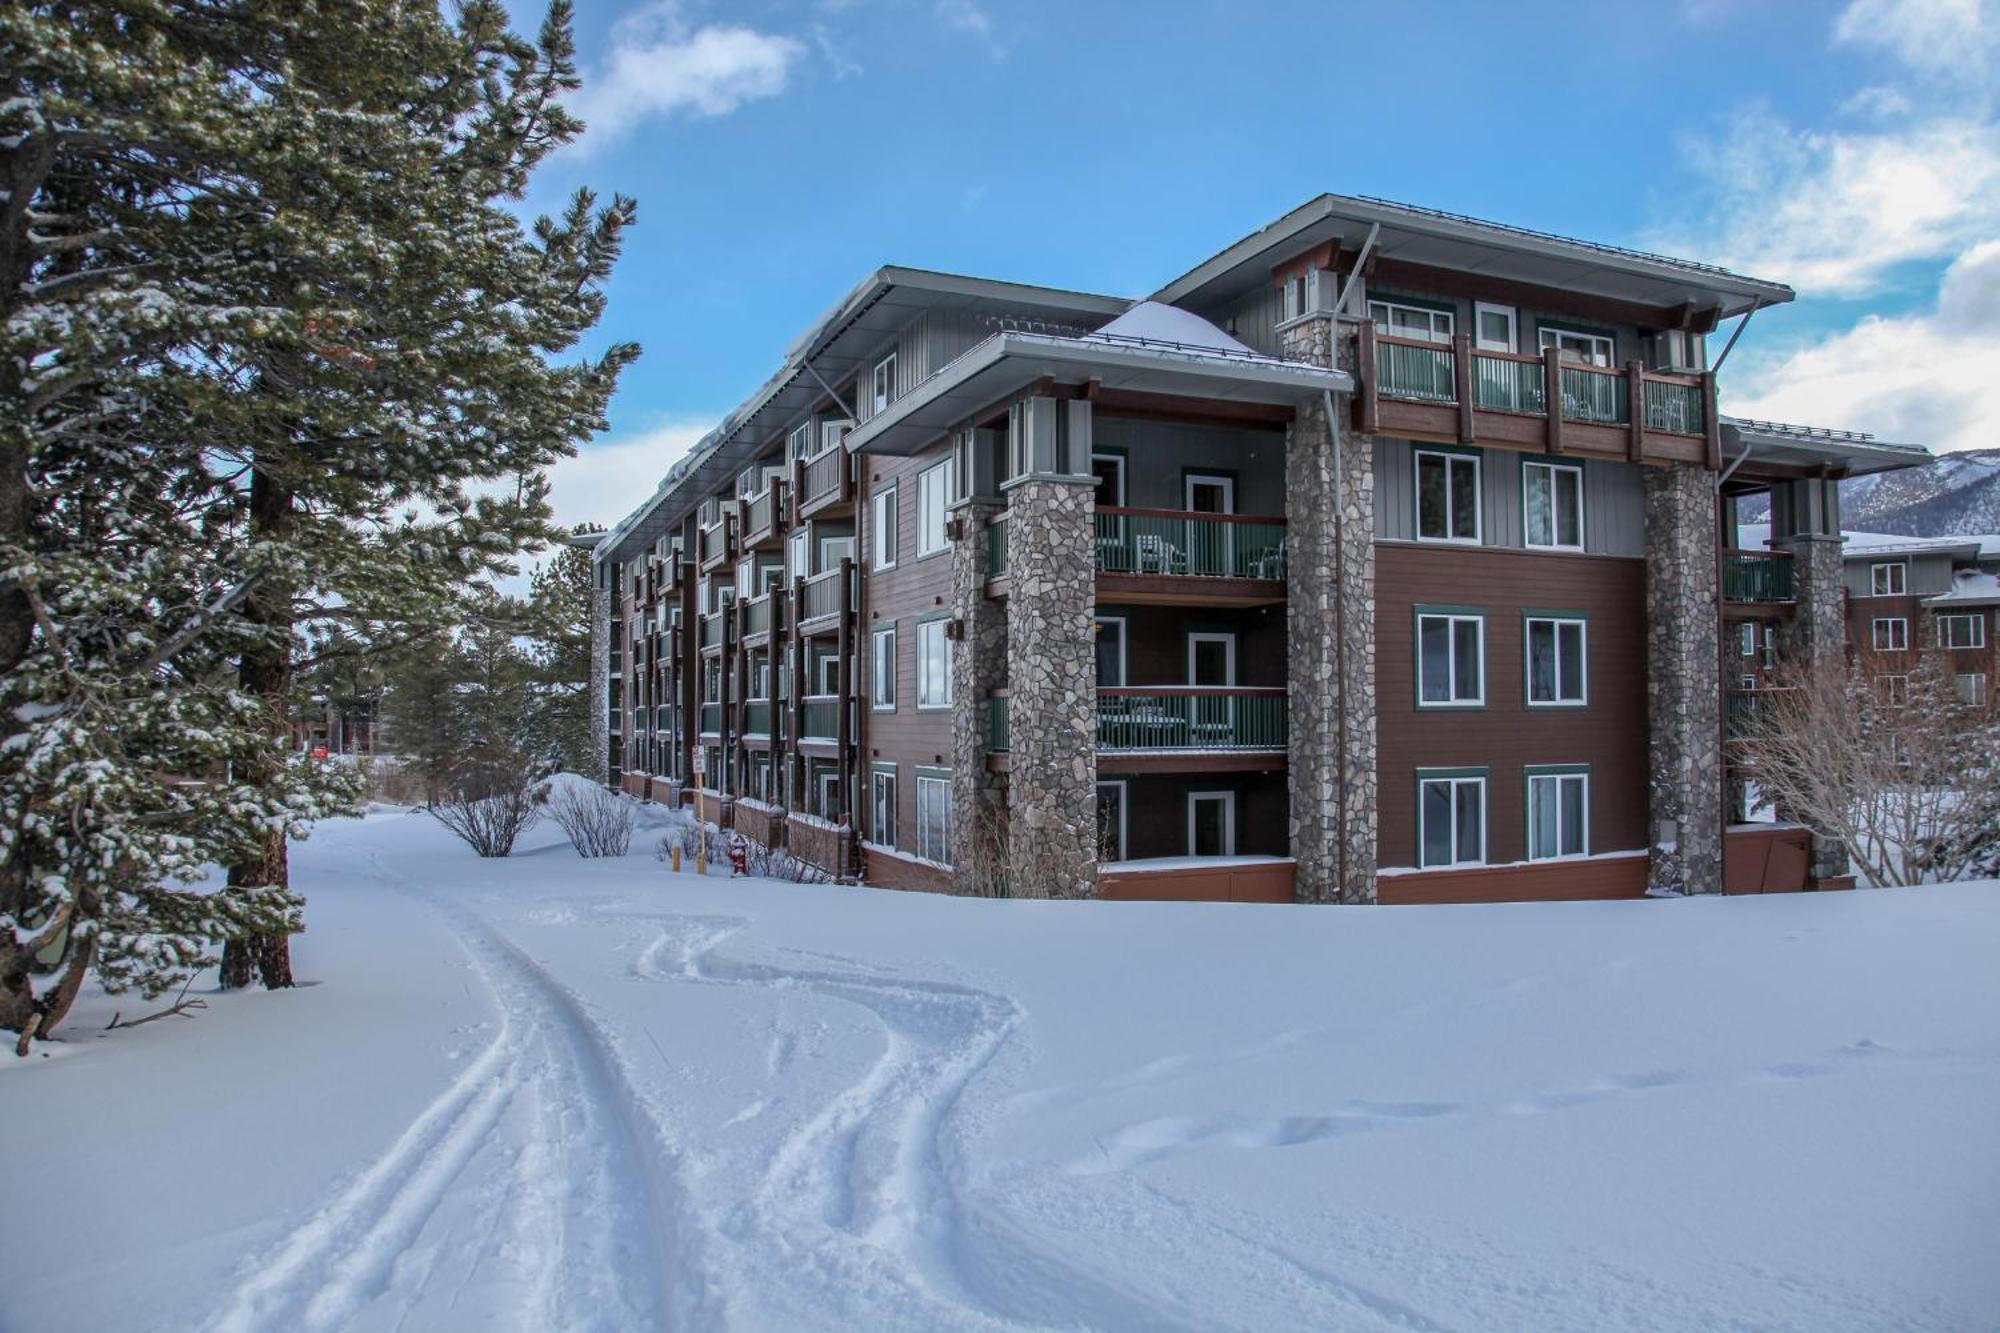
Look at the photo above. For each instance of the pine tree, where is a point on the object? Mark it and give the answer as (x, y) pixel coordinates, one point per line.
(271, 333)
(556, 624)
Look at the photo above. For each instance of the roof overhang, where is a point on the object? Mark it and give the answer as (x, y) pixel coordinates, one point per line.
(1470, 245)
(1842, 453)
(1005, 363)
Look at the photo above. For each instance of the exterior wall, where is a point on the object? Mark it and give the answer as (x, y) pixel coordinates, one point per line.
(1924, 575)
(978, 668)
(600, 683)
(886, 869)
(1506, 736)
(757, 822)
(1540, 881)
(1614, 499)
(1156, 807)
(1156, 641)
(1815, 636)
(1232, 882)
(1159, 454)
(1684, 753)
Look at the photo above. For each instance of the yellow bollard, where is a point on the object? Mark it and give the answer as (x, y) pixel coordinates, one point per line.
(677, 860)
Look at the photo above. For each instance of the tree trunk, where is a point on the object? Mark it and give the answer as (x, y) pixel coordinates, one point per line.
(56, 1004)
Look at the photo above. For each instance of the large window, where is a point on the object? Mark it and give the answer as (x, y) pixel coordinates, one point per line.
(1888, 579)
(882, 668)
(934, 816)
(882, 528)
(882, 804)
(1451, 659)
(883, 383)
(1558, 813)
(1493, 327)
(1447, 497)
(1970, 688)
(1552, 496)
(1590, 349)
(1558, 672)
(1411, 321)
(933, 665)
(1961, 631)
(933, 499)
(1451, 817)
(1746, 638)
(1890, 634)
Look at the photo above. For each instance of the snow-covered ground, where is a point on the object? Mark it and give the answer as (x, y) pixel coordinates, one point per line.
(549, 1093)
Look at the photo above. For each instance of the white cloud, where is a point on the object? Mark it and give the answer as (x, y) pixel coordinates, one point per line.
(966, 16)
(1931, 378)
(1954, 38)
(608, 479)
(658, 67)
(1877, 102)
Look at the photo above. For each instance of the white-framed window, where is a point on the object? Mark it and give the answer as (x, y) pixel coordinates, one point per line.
(1558, 813)
(1447, 497)
(933, 500)
(826, 793)
(882, 804)
(1111, 821)
(799, 444)
(1411, 321)
(1970, 687)
(1451, 659)
(1747, 683)
(1891, 634)
(1495, 327)
(1770, 645)
(1961, 631)
(1211, 823)
(882, 527)
(1890, 578)
(831, 433)
(882, 668)
(1746, 638)
(882, 382)
(1552, 501)
(934, 816)
(798, 555)
(1451, 817)
(1590, 349)
(1558, 661)
(1894, 689)
(826, 674)
(1110, 651)
(933, 664)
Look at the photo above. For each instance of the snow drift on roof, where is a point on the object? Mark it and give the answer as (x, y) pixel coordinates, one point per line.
(1973, 587)
(1154, 321)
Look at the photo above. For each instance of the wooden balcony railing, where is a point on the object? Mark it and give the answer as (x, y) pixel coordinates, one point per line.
(1189, 717)
(1167, 541)
(821, 717)
(821, 597)
(1757, 576)
(996, 548)
(825, 479)
(763, 515)
(711, 630)
(757, 615)
(716, 544)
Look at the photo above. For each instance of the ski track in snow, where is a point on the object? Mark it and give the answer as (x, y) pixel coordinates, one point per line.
(569, 1212)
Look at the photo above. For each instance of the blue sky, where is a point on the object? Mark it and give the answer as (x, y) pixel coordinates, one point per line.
(780, 151)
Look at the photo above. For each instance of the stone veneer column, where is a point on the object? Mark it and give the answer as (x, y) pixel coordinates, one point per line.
(1816, 637)
(1052, 689)
(600, 678)
(978, 667)
(1683, 683)
(1330, 643)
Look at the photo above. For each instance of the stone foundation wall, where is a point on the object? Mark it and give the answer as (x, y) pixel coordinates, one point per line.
(1683, 691)
(600, 685)
(978, 667)
(1817, 636)
(1052, 688)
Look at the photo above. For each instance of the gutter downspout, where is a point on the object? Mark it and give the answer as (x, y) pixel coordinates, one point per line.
(1339, 620)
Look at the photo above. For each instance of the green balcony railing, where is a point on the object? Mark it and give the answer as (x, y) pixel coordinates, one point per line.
(757, 615)
(996, 724)
(1675, 408)
(663, 718)
(1191, 718)
(1600, 397)
(1415, 370)
(711, 630)
(1756, 576)
(822, 716)
(996, 549)
(757, 717)
(1165, 541)
(1508, 384)
(711, 719)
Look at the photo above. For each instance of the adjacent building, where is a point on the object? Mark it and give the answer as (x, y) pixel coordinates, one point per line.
(1387, 555)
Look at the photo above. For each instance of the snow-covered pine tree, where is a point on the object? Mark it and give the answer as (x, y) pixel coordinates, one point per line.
(556, 622)
(278, 355)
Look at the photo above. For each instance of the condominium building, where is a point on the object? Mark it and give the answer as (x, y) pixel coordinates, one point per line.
(1387, 555)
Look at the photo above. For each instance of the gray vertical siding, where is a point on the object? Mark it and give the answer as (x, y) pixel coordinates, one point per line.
(1157, 453)
(1614, 510)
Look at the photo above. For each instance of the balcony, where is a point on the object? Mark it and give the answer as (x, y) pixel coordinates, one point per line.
(1452, 392)
(821, 719)
(711, 719)
(1191, 717)
(1166, 555)
(764, 517)
(757, 717)
(1757, 577)
(825, 483)
(717, 543)
(758, 615)
(711, 630)
(822, 599)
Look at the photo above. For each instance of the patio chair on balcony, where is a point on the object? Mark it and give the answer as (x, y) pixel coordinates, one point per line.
(1154, 554)
(1270, 563)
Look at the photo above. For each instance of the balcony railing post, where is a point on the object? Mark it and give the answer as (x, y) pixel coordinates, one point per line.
(1369, 406)
(1552, 396)
(1637, 410)
(1461, 368)
(1711, 424)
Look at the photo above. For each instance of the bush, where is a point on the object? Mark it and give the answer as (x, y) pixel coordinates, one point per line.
(597, 819)
(492, 814)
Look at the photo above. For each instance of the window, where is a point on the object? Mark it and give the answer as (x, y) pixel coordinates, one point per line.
(1970, 688)
(1891, 635)
(933, 498)
(1558, 813)
(1447, 497)
(1890, 579)
(934, 817)
(1411, 321)
(1961, 631)
(1557, 671)
(933, 665)
(1770, 645)
(827, 673)
(1590, 349)
(1110, 652)
(1111, 821)
(1211, 821)
(798, 555)
(1746, 637)
(799, 445)
(882, 804)
(1747, 683)
(826, 792)
(882, 528)
(883, 385)
(1894, 689)
(1451, 659)
(1553, 498)
(1493, 327)
(831, 433)
(882, 668)
(1451, 817)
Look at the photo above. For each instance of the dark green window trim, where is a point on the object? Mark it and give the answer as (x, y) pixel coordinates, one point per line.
(1421, 610)
(1485, 809)
(1576, 465)
(1527, 662)
(1528, 808)
(1478, 456)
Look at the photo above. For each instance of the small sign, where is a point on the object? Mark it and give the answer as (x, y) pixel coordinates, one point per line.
(700, 763)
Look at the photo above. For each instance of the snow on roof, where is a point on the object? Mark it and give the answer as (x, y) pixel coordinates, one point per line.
(1156, 322)
(1970, 587)
(1757, 535)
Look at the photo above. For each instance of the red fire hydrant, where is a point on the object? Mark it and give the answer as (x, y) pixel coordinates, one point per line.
(739, 855)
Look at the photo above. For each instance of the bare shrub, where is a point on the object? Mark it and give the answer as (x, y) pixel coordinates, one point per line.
(597, 819)
(392, 781)
(692, 836)
(490, 814)
(1894, 766)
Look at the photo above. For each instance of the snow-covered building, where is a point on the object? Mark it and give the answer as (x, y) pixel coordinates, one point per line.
(1386, 555)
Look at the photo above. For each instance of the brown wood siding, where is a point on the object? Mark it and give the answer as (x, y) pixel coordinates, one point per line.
(1255, 883)
(886, 870)
(1541, 882)
(1505, 735)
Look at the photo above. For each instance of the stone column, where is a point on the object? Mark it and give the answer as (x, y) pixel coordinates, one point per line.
(1052, 689)
(1330, 642)
(600, 676)
(1683, 682)
(978, 667)
(1816, 638)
